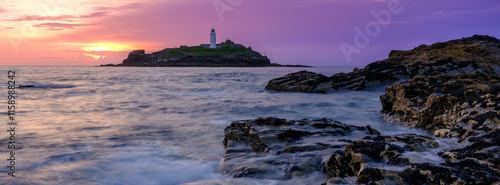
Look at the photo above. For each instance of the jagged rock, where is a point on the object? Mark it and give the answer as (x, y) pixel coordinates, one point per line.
(302, 81)
(450, 89)
(294, 147)
(428, 174)
(368, 175)
(442, 101)
(467, 55)
(344, 163)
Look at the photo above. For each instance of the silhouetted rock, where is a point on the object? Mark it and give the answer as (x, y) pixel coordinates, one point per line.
(233, 55)
(135, 57)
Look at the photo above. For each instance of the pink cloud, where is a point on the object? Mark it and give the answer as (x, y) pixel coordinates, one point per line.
(54, 26)
(68, 18)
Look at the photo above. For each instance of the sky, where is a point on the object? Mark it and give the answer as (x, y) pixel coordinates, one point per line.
(308, 32)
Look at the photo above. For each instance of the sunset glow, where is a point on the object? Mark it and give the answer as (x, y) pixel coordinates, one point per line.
(288, 32)
(106, 47)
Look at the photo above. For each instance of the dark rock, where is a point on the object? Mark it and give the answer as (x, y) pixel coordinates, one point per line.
(135, 56)
(295, 147)
(293, 134)
(372, 130)
(370, 174)
(428, 174)
(399, 160)
(247, 172)
(441, 101)
(372, 149)
(302, 81)
(344, 163)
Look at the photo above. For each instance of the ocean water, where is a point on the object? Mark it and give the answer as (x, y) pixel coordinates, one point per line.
(130, 125)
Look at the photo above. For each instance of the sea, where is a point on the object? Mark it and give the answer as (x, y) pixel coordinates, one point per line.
(158, 125)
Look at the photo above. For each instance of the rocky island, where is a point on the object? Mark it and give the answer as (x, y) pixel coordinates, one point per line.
(450, 89)
(225, 54)
(228, 54)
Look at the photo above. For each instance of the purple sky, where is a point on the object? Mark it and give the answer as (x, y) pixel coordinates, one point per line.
(306, 32)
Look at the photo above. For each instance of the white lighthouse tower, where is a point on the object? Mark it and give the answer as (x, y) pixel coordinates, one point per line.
(213, 44)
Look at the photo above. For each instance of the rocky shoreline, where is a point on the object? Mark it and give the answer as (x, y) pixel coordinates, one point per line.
(450, 89)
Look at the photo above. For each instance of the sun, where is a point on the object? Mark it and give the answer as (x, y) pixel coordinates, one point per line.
(95, 57)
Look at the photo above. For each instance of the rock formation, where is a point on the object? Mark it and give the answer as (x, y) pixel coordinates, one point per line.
(466, 55)
(285, 149)
(450, 88)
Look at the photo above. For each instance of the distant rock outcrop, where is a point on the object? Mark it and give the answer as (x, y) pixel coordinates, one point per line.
(229, 54)
(134, 57)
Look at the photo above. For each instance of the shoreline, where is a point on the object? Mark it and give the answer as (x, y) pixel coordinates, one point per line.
(449, 89)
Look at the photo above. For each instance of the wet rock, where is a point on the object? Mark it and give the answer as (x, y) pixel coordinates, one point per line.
(265, 146)
(372, 130)
(399, 160)
(372, 149)
(302, 81)
(344, 163)
(292, 134)
(449, 88)
(445, 103)
(247, 172)
(368, 175)
(336, 180)
(294, 149)
(428, 174)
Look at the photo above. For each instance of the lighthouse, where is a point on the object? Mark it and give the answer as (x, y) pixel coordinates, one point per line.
(213, 44)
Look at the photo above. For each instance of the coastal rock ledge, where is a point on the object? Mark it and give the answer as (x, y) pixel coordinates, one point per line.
(279, 149)
(467, 55)
(450, 89)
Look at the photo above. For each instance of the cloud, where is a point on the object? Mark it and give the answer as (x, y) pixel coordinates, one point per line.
(3, 10)
(68, 18)
(123, 7)
(99, 11)
(58, 26)
(7, 28)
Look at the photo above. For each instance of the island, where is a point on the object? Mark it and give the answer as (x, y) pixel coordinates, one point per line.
(225, 54)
